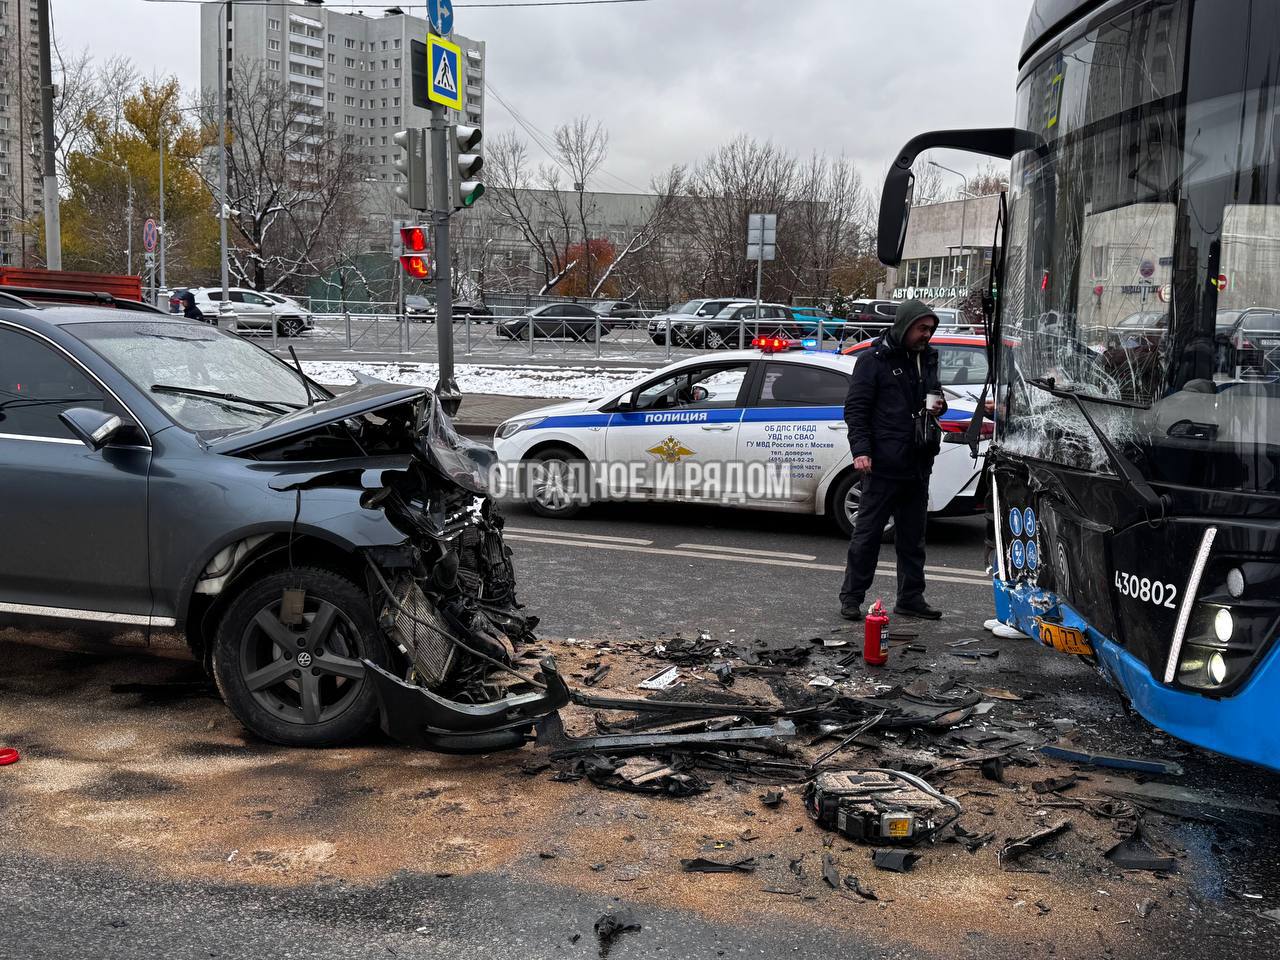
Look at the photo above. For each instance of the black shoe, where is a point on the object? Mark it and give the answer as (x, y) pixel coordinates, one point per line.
(852, 613)
(919, 609)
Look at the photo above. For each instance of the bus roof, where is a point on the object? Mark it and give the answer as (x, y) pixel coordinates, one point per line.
(1047, 20)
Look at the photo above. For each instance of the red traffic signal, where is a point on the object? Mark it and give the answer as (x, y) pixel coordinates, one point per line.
(417, 267)
(415, 260)
(414, 239)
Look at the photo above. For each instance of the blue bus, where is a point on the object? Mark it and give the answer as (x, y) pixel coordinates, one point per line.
(1133, 312)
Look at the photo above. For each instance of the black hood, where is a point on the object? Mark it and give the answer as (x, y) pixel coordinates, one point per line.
(909, 313)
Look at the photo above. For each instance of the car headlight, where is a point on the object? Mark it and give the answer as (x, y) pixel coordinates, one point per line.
(511, 427)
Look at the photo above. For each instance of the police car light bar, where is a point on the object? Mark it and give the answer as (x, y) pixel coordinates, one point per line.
(775, 344)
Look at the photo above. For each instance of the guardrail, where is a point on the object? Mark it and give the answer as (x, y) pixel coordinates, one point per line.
(517, 334)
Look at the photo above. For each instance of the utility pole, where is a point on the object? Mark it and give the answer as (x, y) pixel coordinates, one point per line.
(224, 78)
(447, 387)
(964, 206)
(163, 285)
(52, 214)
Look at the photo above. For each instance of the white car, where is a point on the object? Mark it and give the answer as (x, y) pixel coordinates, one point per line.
(776, 405)
(657, 326)
(255, 310)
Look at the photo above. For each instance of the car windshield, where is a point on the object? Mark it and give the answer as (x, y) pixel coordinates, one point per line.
(202, 359)
(687, 307)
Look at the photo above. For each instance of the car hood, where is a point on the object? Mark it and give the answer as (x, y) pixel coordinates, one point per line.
(368, 395)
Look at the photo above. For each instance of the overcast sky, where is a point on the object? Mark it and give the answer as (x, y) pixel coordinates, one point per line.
(671, 79)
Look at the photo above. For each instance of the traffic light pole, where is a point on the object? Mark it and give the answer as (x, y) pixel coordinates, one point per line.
(447, 387)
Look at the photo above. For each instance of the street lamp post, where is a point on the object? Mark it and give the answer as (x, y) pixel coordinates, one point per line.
(964, 205)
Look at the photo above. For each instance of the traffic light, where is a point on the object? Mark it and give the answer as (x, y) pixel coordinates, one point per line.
(416, 258)
(466, 162)
(412, 165)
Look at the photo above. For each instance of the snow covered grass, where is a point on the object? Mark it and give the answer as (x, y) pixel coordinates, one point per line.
(567, 382)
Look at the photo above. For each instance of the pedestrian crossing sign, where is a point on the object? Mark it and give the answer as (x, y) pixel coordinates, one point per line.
(445, 62)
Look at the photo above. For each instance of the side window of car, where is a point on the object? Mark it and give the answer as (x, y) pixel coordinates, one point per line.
(962, 365)
(255, 299)
(235, 296)
(36, 384)
(701, 388)
(214, 295)
(801, 385)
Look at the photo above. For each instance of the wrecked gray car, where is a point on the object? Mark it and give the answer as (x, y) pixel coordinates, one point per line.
(331, 560)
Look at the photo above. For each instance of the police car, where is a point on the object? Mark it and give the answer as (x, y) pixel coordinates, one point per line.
(776, 403)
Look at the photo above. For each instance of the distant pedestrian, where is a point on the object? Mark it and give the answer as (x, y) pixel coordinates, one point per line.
(189, 309)
(894, 400)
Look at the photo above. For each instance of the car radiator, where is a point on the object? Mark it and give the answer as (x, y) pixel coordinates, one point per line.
(414, 623)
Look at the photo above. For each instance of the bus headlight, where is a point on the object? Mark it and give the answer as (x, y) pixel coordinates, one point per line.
(1224, 625)
(1235, 582)
(1216, 668)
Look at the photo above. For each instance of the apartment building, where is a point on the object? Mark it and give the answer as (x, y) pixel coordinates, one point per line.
(21, 188)
(348, 68)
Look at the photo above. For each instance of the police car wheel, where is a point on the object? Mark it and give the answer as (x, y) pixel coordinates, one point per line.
(844, 507)
(553, 493)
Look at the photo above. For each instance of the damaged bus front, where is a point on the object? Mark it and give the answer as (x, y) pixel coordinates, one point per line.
(1135, 340)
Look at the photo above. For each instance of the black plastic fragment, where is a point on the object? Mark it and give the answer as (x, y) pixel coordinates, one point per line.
(611, 926)
(1015, 847)
(772, 798)
(829, 872)
(706, 865)
(853, 883)
(898, 861)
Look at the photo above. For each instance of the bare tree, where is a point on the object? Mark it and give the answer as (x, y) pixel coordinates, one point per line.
(990, 179)
(291, 176)
(659, 219)
(581, 148)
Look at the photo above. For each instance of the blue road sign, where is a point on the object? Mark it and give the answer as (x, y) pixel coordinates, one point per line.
(1016, 554)
(444, 61)
(1033, 555)
(1015, 522)
(440, 13)
(1029, 521)
(150, 234)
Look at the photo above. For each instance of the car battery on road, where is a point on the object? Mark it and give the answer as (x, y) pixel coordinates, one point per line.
(879, 806)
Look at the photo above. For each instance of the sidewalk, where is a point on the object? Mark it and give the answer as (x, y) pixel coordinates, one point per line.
(481, 413)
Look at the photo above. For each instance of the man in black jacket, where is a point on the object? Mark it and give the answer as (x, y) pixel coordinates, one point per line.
(894, 437)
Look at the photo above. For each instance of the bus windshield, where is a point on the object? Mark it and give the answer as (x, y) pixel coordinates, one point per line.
(1143, 248)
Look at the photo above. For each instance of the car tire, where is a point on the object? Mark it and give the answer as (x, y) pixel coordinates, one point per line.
(291, 326)
(842, 507)
(714, 340)
(557, 461)
(322, 704)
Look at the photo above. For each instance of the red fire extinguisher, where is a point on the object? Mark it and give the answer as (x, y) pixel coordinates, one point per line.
(874, 650)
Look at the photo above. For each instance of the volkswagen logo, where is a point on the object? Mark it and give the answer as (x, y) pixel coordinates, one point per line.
(304, 659)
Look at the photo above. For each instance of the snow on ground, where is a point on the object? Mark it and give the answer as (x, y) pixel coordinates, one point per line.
(568, 382)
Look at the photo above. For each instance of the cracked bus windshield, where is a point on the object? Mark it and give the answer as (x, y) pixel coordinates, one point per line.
(1143, 266)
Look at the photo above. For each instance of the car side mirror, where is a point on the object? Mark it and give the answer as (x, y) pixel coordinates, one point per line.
(94, 428)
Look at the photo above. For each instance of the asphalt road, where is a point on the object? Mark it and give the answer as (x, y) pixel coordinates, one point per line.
(617, 569)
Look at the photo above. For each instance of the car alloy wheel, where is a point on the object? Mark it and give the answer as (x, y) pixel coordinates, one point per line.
(713, 340)
(554, 492)
(305, 673)
(300, 683)
(292, 327)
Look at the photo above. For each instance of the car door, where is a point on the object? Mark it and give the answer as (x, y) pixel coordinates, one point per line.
(682, 417)
(794, 420)
(252, 309)
(75, 520)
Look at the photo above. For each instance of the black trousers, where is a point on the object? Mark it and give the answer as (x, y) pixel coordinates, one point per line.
(907, 501)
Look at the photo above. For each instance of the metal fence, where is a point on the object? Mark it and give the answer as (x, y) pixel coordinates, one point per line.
(511, 332)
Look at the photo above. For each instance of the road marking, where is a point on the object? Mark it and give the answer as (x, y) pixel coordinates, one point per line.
(747, 552)
(884, 570)
(578, 536)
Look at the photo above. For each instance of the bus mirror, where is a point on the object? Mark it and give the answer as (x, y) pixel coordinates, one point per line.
(895, 200)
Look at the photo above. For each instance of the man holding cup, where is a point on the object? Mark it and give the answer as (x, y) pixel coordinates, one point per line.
(894, 401)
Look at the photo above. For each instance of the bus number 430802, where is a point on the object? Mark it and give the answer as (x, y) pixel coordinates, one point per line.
(1146, 589)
